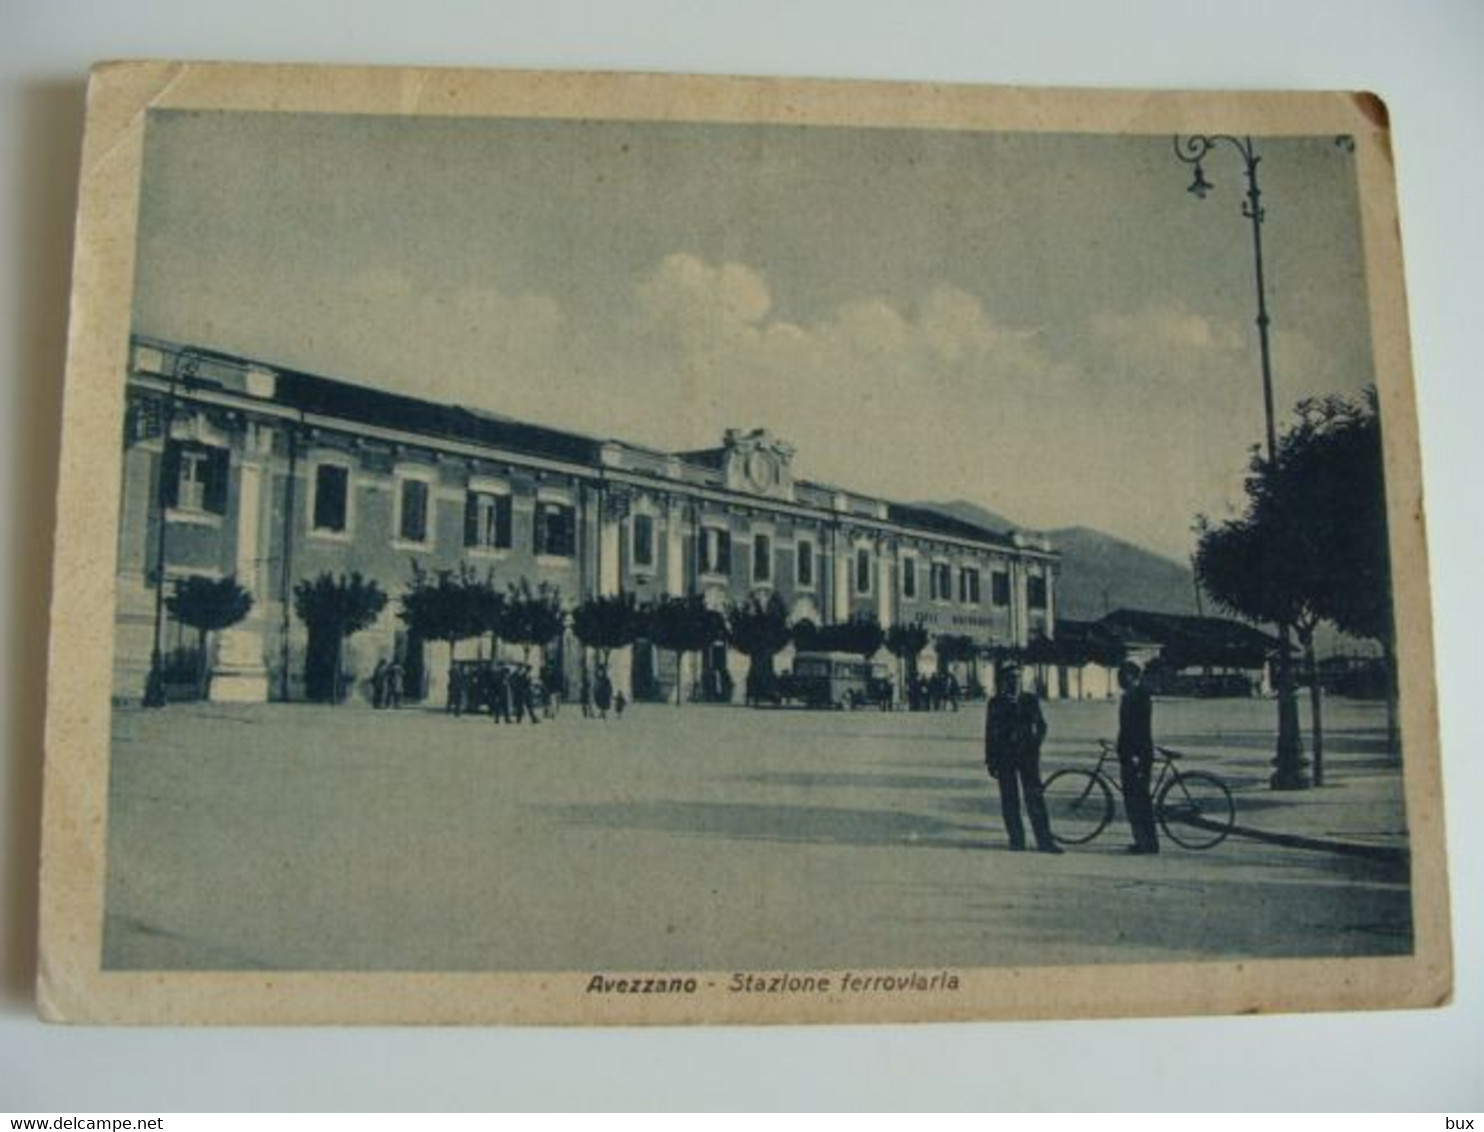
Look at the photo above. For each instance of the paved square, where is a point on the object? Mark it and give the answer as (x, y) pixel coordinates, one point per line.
(299, 837)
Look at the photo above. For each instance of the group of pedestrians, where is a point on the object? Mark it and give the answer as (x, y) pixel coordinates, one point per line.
(938, 692)
(599, 696)
(1013, 732)
(508, 692)
(388, 681)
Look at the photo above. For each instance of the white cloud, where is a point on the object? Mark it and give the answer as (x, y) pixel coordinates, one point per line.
(929, 396)
(1170, 331)
(688, 294)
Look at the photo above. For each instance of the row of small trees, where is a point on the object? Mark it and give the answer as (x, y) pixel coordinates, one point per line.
(439, 605)
(458, 605)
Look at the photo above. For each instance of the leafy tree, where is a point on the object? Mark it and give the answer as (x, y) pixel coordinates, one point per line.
(208, 605)
(488, 609)
(806, 635)
(608, 622)
(1311, 545)
(906, 642)
(682, 625)
(861, 634)
(953, 648)
(759, 628)
(332, 609)
(532, 616)
(449, 605)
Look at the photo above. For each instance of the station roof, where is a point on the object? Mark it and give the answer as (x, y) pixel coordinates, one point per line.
(356, 403)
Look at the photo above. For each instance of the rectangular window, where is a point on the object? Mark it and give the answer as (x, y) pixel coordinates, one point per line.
(1035, 592)
(193, 473)
(909, 577)
(643, 540)
(556, 529)
(412, 525)
(805, 563)
(968, 585)
(487, 523)
(762, 558)
(331, 490)
(999, 588)
(196, 477)
(941, 579)
(716, 551)
(862, 570)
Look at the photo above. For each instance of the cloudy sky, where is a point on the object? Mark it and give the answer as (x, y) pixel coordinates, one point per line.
(1048, 325)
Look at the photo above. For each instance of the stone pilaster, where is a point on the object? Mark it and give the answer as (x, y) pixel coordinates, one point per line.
(675, 566)
(240, 674)
(840, 588)
(885, 584)
(1020, 602)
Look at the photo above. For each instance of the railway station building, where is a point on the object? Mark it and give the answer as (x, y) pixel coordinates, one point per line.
(274, 476)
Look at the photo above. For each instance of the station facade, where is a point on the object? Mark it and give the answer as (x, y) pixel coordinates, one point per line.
(275, 476)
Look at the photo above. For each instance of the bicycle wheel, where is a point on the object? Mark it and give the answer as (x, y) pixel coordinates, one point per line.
(1079, 804)
(1196, 810)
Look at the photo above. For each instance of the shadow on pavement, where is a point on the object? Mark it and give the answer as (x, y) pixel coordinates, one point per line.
(815, 825)
(806, 781)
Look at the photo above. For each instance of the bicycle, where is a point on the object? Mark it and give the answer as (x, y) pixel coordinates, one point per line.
(1194, 808)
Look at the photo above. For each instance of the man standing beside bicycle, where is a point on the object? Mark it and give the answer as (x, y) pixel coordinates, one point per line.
(1136, 756)
(1013, 730)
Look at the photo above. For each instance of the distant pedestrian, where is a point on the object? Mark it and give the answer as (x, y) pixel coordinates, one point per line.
(551, 689)
(456, 683)
(394, 676)
(1136, 756)
(620, 701)
(602, 693)
(524, 693)
(1013, 731)
(585, 690)
(378, 684)
(500, 694)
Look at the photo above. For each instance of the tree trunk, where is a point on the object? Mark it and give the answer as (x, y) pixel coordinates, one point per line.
(679, 674)
(1316, 703)
(1288, 773)
(336, 693)
(203, 670)
(453, 645)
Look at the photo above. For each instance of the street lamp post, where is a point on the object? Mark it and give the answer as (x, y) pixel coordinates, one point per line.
(184, 365)
(1288, 762)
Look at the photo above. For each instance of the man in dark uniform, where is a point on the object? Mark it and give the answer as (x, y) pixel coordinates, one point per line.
(1013, 730)
(1136, 756)
(500, 694)
(455, 702)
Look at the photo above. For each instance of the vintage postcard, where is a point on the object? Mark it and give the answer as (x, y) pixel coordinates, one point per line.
(571, 548)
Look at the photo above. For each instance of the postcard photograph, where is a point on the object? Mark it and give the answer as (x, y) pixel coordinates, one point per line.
(741, 564)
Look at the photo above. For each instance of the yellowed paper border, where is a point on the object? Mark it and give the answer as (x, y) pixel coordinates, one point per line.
(71, 985)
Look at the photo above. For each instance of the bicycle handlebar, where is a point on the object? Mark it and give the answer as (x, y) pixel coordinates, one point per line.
(1111, 748)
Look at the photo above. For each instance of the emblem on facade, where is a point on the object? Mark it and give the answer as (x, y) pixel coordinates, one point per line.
(758, 463)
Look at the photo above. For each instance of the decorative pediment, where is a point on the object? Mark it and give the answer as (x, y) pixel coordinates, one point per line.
(757, 463)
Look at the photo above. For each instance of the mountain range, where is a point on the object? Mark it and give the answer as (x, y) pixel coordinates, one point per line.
(1100, 573)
